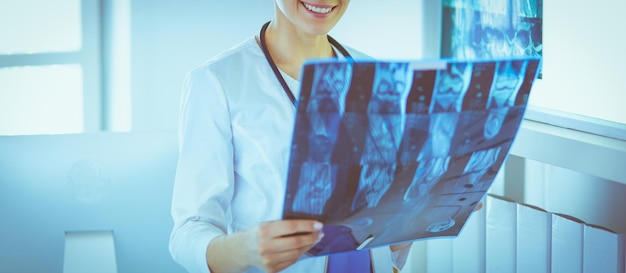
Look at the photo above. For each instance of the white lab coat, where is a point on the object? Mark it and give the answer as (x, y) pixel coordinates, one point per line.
(235, 133)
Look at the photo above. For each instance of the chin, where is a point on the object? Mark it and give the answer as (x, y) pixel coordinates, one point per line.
(314, 28)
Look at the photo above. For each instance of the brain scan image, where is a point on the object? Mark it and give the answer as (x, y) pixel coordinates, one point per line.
(436, 219)
(441, 225)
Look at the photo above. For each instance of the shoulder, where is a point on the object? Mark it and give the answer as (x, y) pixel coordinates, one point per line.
(356, 54)
(243, 55)
(231, 74)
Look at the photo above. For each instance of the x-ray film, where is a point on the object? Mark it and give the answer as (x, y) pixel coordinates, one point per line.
(474, 29)
(386, 152)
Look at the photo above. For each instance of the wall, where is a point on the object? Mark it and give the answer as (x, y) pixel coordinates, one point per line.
(583, 58)
(171, 37)
(583, 73)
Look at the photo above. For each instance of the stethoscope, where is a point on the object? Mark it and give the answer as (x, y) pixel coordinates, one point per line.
(277, 73)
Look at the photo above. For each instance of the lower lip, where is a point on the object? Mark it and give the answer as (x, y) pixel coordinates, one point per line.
(317, 15)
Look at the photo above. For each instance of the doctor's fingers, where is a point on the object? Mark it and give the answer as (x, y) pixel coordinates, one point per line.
(292, 242)
(267, 247)
(275, 262)
(479, 206)
(285, 228)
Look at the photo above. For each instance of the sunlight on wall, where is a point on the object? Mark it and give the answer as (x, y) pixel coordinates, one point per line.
(53, 26)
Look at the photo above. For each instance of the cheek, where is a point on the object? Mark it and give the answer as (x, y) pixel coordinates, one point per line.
(288, 7)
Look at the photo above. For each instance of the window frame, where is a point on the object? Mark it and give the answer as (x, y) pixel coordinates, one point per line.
(89, 57)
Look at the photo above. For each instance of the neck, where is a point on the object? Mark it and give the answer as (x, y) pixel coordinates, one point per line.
(290, 47)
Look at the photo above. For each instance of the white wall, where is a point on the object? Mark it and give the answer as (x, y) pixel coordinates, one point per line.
(169, 38)
(584, 59)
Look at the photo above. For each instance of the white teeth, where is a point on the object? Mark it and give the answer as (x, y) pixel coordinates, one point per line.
(317, 9)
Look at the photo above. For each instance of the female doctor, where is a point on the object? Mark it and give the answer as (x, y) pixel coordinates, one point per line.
(236, 121)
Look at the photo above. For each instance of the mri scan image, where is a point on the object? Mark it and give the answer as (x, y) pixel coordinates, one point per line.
(492, 29)
(385, 113)
(374, 182)
(507, 81)
(450, 87)
(317, 180)
(379, 144)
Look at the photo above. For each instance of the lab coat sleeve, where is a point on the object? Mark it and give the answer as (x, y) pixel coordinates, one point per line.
(203, 186)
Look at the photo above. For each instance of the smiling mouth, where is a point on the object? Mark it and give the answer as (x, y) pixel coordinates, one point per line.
(316, 9)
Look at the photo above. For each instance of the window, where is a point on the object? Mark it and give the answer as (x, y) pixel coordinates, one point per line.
(49, 67)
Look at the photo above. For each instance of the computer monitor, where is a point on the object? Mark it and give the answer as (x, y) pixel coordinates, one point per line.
(119, 182)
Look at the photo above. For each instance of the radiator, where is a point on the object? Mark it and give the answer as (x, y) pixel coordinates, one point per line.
(506, 236)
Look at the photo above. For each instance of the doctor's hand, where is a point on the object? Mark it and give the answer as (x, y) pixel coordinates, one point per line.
(271, 246)
(400, 252)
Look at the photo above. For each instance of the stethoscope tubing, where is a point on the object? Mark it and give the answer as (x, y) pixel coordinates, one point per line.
(277, 73)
